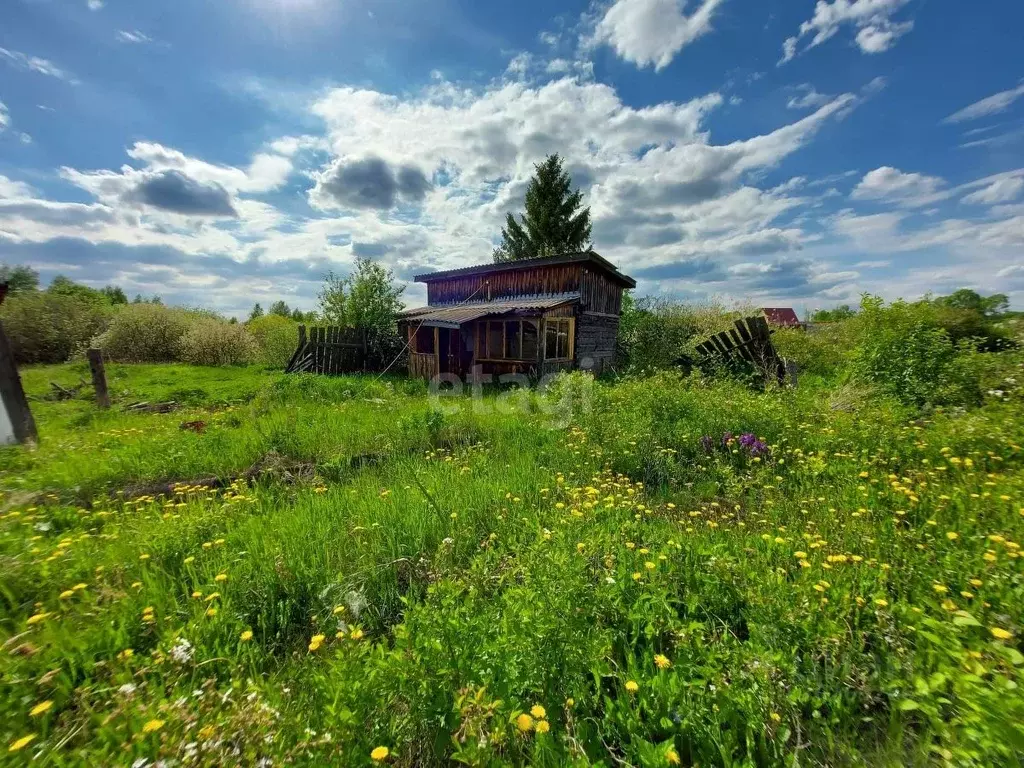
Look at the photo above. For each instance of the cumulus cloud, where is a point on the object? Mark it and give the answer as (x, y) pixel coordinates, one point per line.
(911, 190)
(368, 182)
(876, 30)
(990, 105)
(175, 192)
(9, 188)
(5, 117)
(652, 32)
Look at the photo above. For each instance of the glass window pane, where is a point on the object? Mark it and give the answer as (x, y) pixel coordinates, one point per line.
(495, 343)
(513, 349)
(563, 338)
(425, 340)
(529, 340)
(550, 340)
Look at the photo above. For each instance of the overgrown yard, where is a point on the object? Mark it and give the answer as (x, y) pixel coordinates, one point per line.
(330, 571)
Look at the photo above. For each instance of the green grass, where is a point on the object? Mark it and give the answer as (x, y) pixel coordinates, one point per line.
(852, 597)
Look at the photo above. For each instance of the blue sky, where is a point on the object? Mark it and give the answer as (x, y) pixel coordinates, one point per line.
(791, 153)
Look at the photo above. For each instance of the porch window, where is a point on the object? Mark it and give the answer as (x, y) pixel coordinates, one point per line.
(424, 342)
(508, 340)
(558, 339)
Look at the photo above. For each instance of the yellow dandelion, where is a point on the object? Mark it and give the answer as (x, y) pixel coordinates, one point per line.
(671, 756)
(246, 636)
(153, 726)
(881, 603)
(41, 708)
(1000, 634)
(543, 726)
(524, 723)
(220, 577)
(356, 634)
(538, 711)
(315, 642)
(952, 535)
(380, 754)
(661, 661)
(21, 743)
(631, 686)
(37, 618)
(211, 611)
(66, 594)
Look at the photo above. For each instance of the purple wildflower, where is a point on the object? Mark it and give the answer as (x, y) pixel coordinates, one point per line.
(748, 439)
(727, 438)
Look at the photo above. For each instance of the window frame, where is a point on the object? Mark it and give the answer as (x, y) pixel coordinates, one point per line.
(557, 324)
(483, 335)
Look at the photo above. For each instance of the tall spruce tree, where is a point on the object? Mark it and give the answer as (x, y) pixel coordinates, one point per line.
(555, 221)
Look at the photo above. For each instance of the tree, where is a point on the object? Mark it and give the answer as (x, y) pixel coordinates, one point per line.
(19, 278)
(844, 312)
(554, 221)
(366, 298)
(280, 308)
(965, 298)
(257, 311)
(62, 285)
(114, 294)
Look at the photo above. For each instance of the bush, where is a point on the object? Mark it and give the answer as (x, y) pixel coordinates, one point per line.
(144, 333)
(48, 327)
(215, 342)
(903, 349)
(654, 333)
(277, 338)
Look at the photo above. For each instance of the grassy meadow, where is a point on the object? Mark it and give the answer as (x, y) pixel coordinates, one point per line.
(656, 570)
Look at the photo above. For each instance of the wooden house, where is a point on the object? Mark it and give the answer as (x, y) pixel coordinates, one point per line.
(533, 316)
(781, 317)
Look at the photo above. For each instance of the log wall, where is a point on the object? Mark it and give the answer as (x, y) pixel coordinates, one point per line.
(595, 341)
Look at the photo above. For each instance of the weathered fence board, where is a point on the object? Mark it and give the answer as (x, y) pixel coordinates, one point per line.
(751, 342)
(329, 349)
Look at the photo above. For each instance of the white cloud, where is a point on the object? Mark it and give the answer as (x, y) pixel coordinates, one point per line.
(11, 189)
(876, 30)
(652, 32)
(807, 98)
(911, 190)
(133, 36)
(990, 105)
(5, 117)
(24, 61)
(94, 5)
(1003, 188)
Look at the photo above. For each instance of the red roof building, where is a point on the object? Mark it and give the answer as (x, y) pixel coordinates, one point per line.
(784, 317)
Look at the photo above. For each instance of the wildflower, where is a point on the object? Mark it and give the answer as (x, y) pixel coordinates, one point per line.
(543, 726)
(881, 603)
(126, 654)
(952, 535)
(37, 618)
(153, 726)
(206, 732)
(182, 651)
(338, 609)
(356, 634)
(632, 686)
(40, 708)
(315, 642)
(776, 717)
(538, 711)
(661, 661)
(189, 559)
(79, 587)
(671, 756)
(380, 753)
(66, 594)
(246, 636)
(649, 565)
(220, 577)
(800, 555)
(211, 612)
(1000, 634)
(570, 703)
(524, 723)
(21, 743)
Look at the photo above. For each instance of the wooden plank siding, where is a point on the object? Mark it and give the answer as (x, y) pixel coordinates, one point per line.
(503, 285)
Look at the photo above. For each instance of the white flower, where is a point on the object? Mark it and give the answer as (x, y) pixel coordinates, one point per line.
(182, 651)
(448, 541)
(127, 689)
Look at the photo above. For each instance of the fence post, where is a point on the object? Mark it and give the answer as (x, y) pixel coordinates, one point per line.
(12, 395)
(99, 377)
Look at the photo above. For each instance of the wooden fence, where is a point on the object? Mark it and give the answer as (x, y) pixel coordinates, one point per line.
(329, 349)
(751, 342)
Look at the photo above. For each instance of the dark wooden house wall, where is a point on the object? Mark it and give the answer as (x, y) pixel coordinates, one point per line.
(595, 341)
(599, 294)
(560, 278)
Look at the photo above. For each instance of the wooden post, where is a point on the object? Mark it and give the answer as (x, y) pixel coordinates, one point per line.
(12, 394)
(99, 377)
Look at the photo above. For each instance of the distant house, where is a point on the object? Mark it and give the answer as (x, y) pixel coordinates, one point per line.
(532, 316)
(781, 317)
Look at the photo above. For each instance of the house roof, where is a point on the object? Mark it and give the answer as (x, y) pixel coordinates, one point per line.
(781, 315)
(454, 316)
(586, 257)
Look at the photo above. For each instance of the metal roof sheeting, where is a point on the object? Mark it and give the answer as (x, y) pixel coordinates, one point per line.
(591, 257)
(455, 315)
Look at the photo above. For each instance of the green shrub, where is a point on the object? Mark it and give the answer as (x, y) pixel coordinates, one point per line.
(654, 333)
(48, 327)
(144, 333)
(215, 342)
(277, 338)
(903, 349)
(823, 350)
